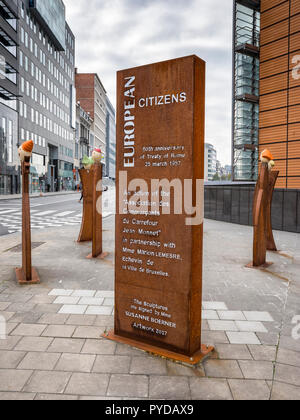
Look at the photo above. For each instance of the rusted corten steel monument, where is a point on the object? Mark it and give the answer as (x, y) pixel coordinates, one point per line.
(158, 262)
(91, 226)
(263, 238)
(26, 274)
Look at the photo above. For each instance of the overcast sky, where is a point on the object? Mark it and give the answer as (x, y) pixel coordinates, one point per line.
(113, 35)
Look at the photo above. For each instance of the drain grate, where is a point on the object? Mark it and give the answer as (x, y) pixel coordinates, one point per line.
(18, 248)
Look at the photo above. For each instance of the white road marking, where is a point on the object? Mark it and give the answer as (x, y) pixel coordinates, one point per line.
(66, 213)
(45, 213)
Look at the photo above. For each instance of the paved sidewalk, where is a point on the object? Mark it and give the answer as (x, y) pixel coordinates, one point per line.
(54, 351)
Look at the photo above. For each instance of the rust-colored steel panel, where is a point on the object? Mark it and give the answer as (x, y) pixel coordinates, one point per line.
(87, 182)
(158, 274)
(271, 245)
(97, 211)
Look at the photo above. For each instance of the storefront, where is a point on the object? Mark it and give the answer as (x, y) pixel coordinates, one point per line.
(37, 174)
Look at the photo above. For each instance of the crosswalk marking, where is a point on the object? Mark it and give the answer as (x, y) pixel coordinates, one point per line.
(66, 213)
(45, 213)
(7, 211)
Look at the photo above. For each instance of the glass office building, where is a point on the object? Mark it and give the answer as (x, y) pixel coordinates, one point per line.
(245, 124)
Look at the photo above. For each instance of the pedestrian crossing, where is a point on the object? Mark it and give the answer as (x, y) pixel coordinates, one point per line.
(11, 219)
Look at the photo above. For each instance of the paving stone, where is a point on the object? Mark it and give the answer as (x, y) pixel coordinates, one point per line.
(26, 317)
(285, 392)
(104, 321)
(91, 398)
(45, 308)
(264, 353)
(258, 316)
(112, 364)
(210, 389)
(91, 301)
(231, 315)
(19, 298)
(287, 374)
(35, 344)
(29, 330)
(7, 315)
(4, 305)
(66, 345)
(268, 339)
(39, 361)
(9, 343)
(99, 310)
(215, 306)
(222, 369)
(84, 293)
(13, 380)
(93, 346)
(214, 337)
(10, 327)
(135, 386)
(48, 382)
(169, 388)
(21, 307)
(233, 352)
(105, 294)
(10, 359)
(55, 397)
(242, 338)
(210, 315)
(177, 369)
(54, 319)
(109, 302)
(75, 362)
(88, 332)
(124, 350)
(148, 366)
(249, 390)
(60, 292)
(222, 325)
(66, 300)
(251, 326)
(73, 309)
(87, 384)
(288, 357)
(16, 396)
(42, 299)
(257, 369)
(289, 343)
(81, 320)
(59, 331)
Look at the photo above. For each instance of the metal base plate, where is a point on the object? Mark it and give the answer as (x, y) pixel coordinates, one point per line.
(100, 257)
(266, 265)
(193, 360)
(21, 277)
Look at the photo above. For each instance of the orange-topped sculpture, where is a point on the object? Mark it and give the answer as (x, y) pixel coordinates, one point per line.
(263, 239)
(26, 274)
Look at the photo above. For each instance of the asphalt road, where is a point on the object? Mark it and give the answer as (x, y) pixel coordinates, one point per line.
(62, 209)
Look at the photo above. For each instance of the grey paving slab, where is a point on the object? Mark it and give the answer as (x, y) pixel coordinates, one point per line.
(88, 332)
(231, 315)
(29, 330)
(264, 353)
(221, 325)
(128, 386)
(70, 362)
(48, 382)
(169, 388)
(12, 380)
(210, 389)
(10, 359)
(288, 357)
(16, 396)
(35, 344)
(282, 391)
(81, 320)
(257, 369)
(177, 369)
(104, 321)
(93, 346)
(214, 337)
(66, 345)
(244, 390)
(112, 364)
(39, 361)
(148, 366)
(88, 384)
(242, 337)
(9, 343)
(54, 319)
(45, 308)
(287, 374)
(233, 352)
(59, 331)
(56, 397)
(222, 369)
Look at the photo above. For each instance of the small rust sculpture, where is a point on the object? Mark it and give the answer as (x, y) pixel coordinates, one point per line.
(27, 274)
(263, 239)
(91, 227)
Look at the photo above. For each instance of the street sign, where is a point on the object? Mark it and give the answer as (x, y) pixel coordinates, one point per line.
(159, 221)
